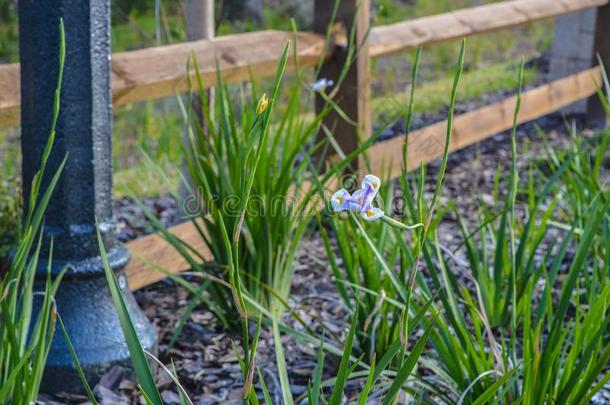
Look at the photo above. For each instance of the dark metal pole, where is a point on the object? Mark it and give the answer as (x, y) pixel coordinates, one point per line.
(84, 192)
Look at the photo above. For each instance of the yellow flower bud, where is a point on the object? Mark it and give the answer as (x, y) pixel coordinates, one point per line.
(262, 104)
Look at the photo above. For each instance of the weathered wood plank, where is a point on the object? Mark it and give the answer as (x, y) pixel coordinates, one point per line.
(427, 144)
(10, 95)
(409, 35)
(161, 71)
(158, 72)
(155, 249)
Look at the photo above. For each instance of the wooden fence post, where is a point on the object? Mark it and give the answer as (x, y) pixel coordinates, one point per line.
(601, 47)
(353, 93)
(199, 15)
(200, 24)
(579, 37)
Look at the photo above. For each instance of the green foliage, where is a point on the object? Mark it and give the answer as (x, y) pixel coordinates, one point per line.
(10, 214)
(25, 336)
(559, 356)
(24, 349)
(362, 279)
(497, 327)
(567, 366)
(249, 175)
(138, 357)
(392, 310)
(494, 328)
(583, 174)
(140, 363)
(152, 127)
(9, 31)
(527, 323)
(586, 174)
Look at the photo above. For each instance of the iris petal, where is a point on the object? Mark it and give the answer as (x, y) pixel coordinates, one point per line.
(370, 186)
(371, 214)
(338, 200)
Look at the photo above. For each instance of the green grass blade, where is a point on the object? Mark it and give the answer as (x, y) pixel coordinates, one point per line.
(281, 364)
(79, 369)
(368, 385)
(10, 381)
(315, 392)
(141, 367)
(266, 395)
(443, 168)
(494, 388)
(407, 368)
(342, 374)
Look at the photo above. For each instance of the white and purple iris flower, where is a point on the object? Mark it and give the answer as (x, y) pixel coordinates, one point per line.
(322, 84)
(361, 201)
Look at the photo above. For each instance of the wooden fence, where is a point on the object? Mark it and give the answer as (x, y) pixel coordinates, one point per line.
(160, 71)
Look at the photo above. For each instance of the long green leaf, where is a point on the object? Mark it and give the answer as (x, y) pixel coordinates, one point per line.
(342, 374)
(79, 369)
(407, 368)
(140, 364)
(281, 364)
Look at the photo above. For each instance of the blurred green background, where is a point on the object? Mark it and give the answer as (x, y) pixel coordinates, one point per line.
(155, 126)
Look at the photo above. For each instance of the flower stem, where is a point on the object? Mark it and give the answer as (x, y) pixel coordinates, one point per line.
(397, 224)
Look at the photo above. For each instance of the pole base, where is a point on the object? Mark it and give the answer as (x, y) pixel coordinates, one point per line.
(91, 320)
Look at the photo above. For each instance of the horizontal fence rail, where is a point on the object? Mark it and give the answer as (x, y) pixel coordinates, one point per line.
(157, 72)
(153, 252)
(425, 145)
(409, 35)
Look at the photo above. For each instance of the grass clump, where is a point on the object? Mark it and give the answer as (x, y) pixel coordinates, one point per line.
(502, 339)
(360, 278)
(497, 336)
(26, 334)
(248, 175)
